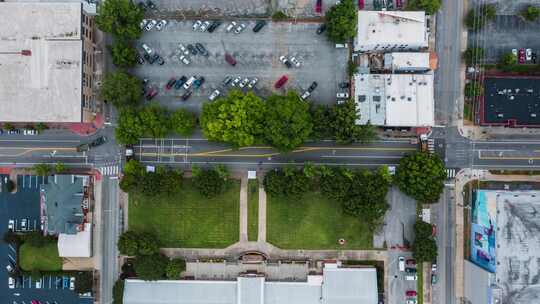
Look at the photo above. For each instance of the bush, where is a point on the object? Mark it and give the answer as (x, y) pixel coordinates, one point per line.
(473, 55)
(175, 268)
(279, 16)
(151, 267)
(352, 68)
(531, 13)
(283, 182)
(37, 239)
(209, 183)
(473, 89)
(430, 6)
(137, 243)
(118, 292)
(341, 22)
(84, 281)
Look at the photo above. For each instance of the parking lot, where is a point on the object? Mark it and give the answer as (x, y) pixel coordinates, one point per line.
(21, 211)
(257, 55)
(505, 33)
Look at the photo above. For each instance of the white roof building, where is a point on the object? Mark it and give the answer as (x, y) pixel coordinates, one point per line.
(407, 62)
(397, 100)
(385, 31)
(335, 286)
(41, 55)
(77, 245)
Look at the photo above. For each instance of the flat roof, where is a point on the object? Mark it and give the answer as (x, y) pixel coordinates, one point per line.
(511, 101)
(47, 85)
(399, 100)
(407, 61)
(391, 27)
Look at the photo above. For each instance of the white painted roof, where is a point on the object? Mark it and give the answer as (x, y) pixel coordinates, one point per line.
(406, 61)
(77, 245)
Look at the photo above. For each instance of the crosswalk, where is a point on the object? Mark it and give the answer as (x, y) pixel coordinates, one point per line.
(451, 173)
(109, 170)
(431, 145)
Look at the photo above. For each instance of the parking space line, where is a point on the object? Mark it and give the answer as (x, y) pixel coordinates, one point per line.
(23, 180)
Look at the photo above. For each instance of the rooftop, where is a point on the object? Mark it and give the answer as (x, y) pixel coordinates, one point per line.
(399, 100)
(46, 85)
(408, 61)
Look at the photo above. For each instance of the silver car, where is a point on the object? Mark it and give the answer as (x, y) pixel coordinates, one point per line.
(143, 23)
(236, 81)
(240, 28)
(244, 82)
(295, 61)
(230, 26)
(150, 25)
(214, 95)
(253, 82)
(184, 59)
(197, 24)
(161, 24)
(183, 49)
(204, 26)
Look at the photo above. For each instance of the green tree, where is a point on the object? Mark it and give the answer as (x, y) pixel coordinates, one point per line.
(430, 6)
(130, 126)
(36, 239)
(60, 168)
(421, 175)
(209, 183)
(478, 17)
(40, 127)
(121, 18)
(423, 230)
(286, 182)
(175, 267)
(424, 250)
(122, 89)
(345, 128)
(35, 274)
(341, 22)
(123, 54)
(84, 281)
(279, 16)
(323, 126)
(473, 89)
(118, 292)
(223, 172)
(8, 126)
(155, 120)
(171, 180)
(128, 243)
(151, 267)
(531, 13)
(10, 186)
(42, 169)
(147, 244)
(237, 119)
(473, 55)
(183, 122)
(134, 167)
(352, 68)
(288, 121)
(508, 60)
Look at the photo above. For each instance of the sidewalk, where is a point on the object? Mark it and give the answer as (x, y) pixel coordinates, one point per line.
(262, 213)
(243, 209)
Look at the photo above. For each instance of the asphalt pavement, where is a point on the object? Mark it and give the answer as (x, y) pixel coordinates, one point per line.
(109, 229)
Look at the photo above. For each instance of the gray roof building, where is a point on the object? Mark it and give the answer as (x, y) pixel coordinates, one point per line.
(335, 286)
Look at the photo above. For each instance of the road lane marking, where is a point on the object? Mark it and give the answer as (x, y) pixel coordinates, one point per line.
(40, 140)
(30, 150)
(362, 156)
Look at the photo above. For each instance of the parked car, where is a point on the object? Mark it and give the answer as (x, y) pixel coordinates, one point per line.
(240, 28)
(285, 61)
(38, 284)
(344, 85)
(192, 49)
(230, 59)
(214, 95)
(189, 82)
(295, 61)
(159, 59)
(412, 277)
(182, 49)
(227, 80)
(153, 58)
(433, 267)
(143, 23)
(184, 59)
(161, 24)
(410, 293)
(24, 224)
(231, 26)
(313, 86)
(521, 56)
(281, 81)
(204, 26)
(98, 141)
(150, 25)
(321, 29)
(410, 270)
(236, 81)
(11, 225)
(140, 59)
(150, 4)
(196, 25)
(411, 301)
(244, 82)
(433, 279)
(213, 26)
(201, 49)
(170, 83)
(260, 24)
(187, 95)
(180, 82)
(198, 82)
(11, 282)
(318, 6)
(342, 95)
(253, 82)
(411, 262)
(151, 94)
(401, 263)
(29, 132)
(72, 283)
(515, 52)
(305, 95)
(65, 281)
(528, 54)
(146, 48)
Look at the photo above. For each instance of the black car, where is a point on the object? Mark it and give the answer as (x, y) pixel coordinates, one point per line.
(159, 60)
(186, 95)
(410, 270)
(227, 80)
(180, 82)
(198, 82)
(140, 60)
(192, 49)
(321, 29)
(344, 85)
(148, 58)
(152, 59)
(313, 86)
(259, 26)
(98, 141)
(150, 4)
(142, 6)
(213, 26)
(201, 49)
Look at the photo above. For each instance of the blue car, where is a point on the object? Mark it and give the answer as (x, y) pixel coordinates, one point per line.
(180, 82)
(66, 283)
(198, 82)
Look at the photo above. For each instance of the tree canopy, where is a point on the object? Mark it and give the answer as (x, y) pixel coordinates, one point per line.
(42, 169)
(473, 89)
(174, 269)
(121, 18)
(531, 13)
(123, 54)
(341, 22)
(473, 55)
(133, 243)
(163, 181)
(130, 127)
(430, 6)
(287, 121)
(210, 182)
(118, 292)
(237, 119)
(121, 89)
(421, 175)
(478, 17)
(151, 267)
(151, 121)
(424, 247)
(286, 182)
(183, 122)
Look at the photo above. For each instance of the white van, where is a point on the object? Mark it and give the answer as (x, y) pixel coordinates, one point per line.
(401, 263)
(341, 45)
(189, 82)
(146, 48)
(412, 277)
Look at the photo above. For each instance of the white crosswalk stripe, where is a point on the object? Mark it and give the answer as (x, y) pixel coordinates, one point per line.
(451, 173)
(109, 170)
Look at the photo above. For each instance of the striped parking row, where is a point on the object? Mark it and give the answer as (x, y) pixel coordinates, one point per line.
(31, 181)
(45, 282)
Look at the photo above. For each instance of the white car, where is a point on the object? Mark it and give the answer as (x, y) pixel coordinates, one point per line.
(295, 62)
(11, 225)
(514, 52)
(214, 95)
(146, 48)
(305, 95)
(236, 81)
(230, 26)
(204, 26)
(29, 132)
(150, 25)
(184, 59)
(197, 24)
(161, 24)
(9, 268)
(528, 54)
(189, 82)
(244, 82)
(411, 301)
(38, 284)
(143, 23)
(11, 283)
(342, 95)
(240, 28)
(72, 283)
(253, 82)
(24, 223)
(183, 49)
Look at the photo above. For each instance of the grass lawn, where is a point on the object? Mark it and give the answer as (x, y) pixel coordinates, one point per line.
(420, 283)
(253, 210)
(43, 259)
(188, 219)
(313, 222)
(467, 111)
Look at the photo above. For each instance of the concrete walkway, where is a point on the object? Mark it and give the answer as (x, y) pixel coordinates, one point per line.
(262, 214)
(243, 209)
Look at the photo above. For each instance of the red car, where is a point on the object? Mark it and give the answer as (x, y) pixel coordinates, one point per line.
(281, 81)
(361, 3)
(171, 83)
(153, 92)
(521, 56)
(318, 6)
(230, 59)
(410, 293)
